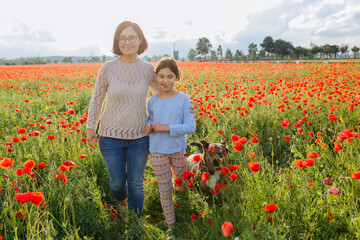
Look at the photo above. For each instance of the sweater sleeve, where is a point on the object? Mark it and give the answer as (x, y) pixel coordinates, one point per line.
(188, 125)
(97, 99)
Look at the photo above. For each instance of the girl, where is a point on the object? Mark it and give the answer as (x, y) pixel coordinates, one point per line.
(169, 122)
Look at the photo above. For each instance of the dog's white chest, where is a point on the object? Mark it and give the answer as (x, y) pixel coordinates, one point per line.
(213, 179)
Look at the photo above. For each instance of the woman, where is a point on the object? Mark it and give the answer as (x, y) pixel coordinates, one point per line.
(122, 139)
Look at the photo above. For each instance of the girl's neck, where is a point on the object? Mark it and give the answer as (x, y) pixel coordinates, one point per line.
(167, 95)
(129, 58)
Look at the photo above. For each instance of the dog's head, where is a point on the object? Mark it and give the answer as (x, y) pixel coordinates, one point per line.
(216, 153)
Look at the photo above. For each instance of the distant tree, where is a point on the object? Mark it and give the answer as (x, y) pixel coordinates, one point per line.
(344, 49)
(220, 52)
(203, 47)
(268, 44)
(228, 55)
(95, 59)
(192, 54)
(67, 60)
(176, 54)
(283, 48)
(252, 49)
(104, 58)
(238, 54)
(213, 56)
(355, 50)
(262, 53)
(335, 49)
(315, 50)
(300, 51)
(146, 58)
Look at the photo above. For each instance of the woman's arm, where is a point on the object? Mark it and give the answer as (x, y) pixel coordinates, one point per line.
(97, 99)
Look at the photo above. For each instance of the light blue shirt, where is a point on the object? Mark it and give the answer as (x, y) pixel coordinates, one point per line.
(174, 112)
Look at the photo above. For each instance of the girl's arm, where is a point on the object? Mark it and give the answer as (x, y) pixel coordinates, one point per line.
(188, 126)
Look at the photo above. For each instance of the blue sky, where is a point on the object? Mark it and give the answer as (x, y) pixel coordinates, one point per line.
(84, 28)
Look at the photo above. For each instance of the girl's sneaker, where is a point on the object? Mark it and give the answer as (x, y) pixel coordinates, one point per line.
(170, 233)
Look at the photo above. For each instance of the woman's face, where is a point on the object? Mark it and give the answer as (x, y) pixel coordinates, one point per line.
(129, 42)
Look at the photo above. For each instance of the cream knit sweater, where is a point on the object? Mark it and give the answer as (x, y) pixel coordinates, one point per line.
(126, 86)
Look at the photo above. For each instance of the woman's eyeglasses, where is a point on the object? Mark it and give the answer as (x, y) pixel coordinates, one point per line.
(131, 39)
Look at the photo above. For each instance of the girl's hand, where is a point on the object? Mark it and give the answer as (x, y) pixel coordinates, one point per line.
(148, 129)
(158, 127)
(192, 109)
(91, 138)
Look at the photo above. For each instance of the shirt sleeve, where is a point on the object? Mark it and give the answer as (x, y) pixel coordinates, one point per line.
(188, 126)
(150, 120)
(97, 99)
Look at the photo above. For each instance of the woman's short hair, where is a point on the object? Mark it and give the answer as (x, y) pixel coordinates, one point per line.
(143, 45)
(168, 62)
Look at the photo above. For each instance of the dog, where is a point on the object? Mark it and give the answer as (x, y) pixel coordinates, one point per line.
(213, 157)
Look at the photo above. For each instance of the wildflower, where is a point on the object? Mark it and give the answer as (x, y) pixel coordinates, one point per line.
(178, 181)
(252, 155)
(41, 165)
(332, 117)
(227, 228)
(190, 184)
(38, 198)
(356, 175)
(299, 163)
(218, 187)
(188, 174)
(312, 155)
(308, 162)
(254, 140)
(23, 197)
(62, 177)
(205, 176)
(193, 216)
(71, 111)
(197, 157)
(221, 132)
(234, 137)
(82, 156)
(225, 170)
(337, 147)
(6, 162)
(233, 167)
(51, 137)
(334, 191)
(29, 164)
(327, 181)
(254, 167)
(232, 177)
(287, 138)
(270, 208)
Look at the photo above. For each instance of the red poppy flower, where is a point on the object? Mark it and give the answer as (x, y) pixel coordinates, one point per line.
(38, 198)
(233, 167)
(190, 184)
(234, 137)
(23, 197)
(16, 139)
(254, 167)
(71, 111)
(197, 157)
(287, 138)
(254, 140)
(6, 162)
(193, 216)
(221, 131)
(332, 117)
(29, 164)
(327, 181)
(232, 177)
(224, 170)
(62, 177)
(22, 130)
(82, 156)
(308, 162)
(218, 187)
(227, 228)
(270, 208)
(178, 181)
(41, 165)
(252, 155)
(312, 155)
(19, 214)
(51, 137)
(205, 176)
(337, 147)
(188, 174)
(334, 191)
(238, 146)
(356, 175)
(64, 168)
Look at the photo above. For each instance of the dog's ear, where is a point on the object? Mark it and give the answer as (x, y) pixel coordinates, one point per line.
(205, 145)
(223, 141)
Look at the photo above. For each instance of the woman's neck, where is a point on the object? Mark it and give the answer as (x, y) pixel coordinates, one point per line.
(129, 58)
(167, 95)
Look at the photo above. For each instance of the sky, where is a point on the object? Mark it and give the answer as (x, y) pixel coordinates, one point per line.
(86, 27)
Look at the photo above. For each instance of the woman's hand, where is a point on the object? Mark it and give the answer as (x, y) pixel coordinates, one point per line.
(149, 129)
(158, 127)
(91, 138)
(192, 109)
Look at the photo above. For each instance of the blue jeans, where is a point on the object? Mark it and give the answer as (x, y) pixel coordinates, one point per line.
(126, 162)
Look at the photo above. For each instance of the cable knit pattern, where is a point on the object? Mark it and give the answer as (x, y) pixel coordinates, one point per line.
(126, 86)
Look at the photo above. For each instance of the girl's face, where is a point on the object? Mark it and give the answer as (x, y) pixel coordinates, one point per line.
(129, 42)
(166, 79)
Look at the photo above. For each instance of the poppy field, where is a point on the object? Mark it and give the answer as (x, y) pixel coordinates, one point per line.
(293, 170)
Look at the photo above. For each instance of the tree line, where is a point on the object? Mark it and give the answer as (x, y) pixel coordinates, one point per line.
(41, 60)
(270, 50)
